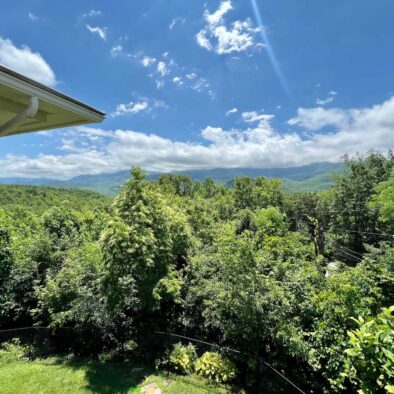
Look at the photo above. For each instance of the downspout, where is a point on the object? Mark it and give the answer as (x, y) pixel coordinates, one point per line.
(29, 113)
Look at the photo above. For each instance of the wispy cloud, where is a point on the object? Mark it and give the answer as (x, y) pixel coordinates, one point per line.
(141, 105)
(92, 14)
(100, 31)
(130, 108)
(165, 70)
(254, 116)
(35, 18)
(231, 111)
(27, 62)
(329, 99)
(116, 50)
(175, 21)
(222, 39)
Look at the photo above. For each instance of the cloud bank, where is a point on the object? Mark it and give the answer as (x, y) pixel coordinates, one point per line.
(258, 145)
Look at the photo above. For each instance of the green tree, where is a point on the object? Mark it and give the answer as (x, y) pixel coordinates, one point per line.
(353, 222)
(369, 363)
(384, 201)
(144, 242)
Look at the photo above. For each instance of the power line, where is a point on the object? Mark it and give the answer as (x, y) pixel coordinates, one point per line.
(364, 232)
(233, 351)
(346, 230)
(350, 253)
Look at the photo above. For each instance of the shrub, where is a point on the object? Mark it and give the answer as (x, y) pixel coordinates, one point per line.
(12, 351)
(215, 367)
(181, 359)
(369, 363)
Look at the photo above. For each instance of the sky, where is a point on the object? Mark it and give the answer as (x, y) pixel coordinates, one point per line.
(198, 85)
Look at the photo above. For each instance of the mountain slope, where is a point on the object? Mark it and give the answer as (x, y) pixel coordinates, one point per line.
(312, 177)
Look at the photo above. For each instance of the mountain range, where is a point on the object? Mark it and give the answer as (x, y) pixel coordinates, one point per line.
(312, 177)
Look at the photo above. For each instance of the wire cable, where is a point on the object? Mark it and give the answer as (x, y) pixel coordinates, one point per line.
(233, 351)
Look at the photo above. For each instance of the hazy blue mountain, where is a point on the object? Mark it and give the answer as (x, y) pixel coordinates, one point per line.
(312, 177)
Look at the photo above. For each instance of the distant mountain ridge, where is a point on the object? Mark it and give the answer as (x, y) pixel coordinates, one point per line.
(312, 177)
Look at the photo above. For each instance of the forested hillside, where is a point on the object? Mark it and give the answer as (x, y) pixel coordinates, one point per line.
(313, 177)
(39, 199)
(302, 282)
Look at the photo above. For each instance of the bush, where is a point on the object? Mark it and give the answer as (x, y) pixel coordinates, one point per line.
(181, 359)
(369, 363)
(215, 367)
(12, 351)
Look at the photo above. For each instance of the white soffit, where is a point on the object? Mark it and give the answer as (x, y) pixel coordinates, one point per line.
(28, 106)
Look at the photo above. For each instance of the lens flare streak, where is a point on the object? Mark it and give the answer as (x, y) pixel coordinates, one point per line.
(269, 49)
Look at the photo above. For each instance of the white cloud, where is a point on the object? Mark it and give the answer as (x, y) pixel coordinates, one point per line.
(231, 111)
(116, 50)
(162, 69)
(253, 117)
(93, 151)
(33, 17)
(178, 81)
(100, 31)
(223, 39)
(27, 62)
(147, 61)
(317, 118)
(176, 21)
(139, 105)
(92, 14)
(329, 99)
(130, 108)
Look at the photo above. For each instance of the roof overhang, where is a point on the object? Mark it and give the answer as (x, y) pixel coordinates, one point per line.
(28, 106)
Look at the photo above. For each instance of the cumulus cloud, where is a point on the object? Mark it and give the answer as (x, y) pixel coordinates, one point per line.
(100, 31)
(329, 99)
(259, 145)
(216, 36)
(27, 62)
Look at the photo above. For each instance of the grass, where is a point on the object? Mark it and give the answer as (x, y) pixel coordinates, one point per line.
(56, 376)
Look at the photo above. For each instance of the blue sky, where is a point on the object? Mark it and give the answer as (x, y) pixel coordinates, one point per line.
(192, 84)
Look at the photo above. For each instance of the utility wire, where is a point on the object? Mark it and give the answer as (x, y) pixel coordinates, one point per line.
(24, 329)
(365, 232)
(346, 230)
(233, 351)
(350, 253)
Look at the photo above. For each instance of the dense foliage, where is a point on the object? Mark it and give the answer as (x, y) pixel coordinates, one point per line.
(302, 280)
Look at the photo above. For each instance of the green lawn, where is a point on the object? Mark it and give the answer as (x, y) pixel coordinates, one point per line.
(54, 376)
